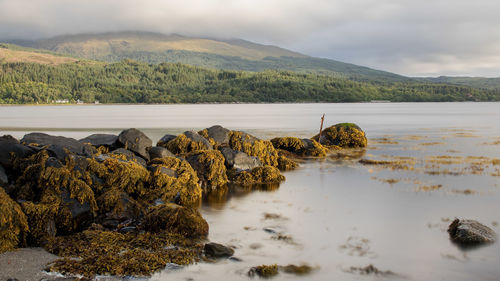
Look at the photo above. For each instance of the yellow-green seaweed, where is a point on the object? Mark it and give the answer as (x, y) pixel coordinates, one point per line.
(297, 146)
(252, 146)
(343, 135)
(264, 174)
(13, 223)
(182, 144)
(210, 168)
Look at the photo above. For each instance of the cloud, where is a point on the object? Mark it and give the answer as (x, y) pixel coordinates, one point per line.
(427, 37)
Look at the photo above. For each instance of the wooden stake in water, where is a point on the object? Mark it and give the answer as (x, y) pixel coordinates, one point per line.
(321, 127)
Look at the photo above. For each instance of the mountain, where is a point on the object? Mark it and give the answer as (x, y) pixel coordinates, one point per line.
(13, 53)
(476, 82)
(234, 54)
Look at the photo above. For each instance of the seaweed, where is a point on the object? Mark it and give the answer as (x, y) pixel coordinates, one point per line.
(343, 135)
(265, 271)
(210, 168)
(184, 185)
(299, 146)
(13, 223)
(265, 174)
(252, 146)
(182, 144)
(286, 164)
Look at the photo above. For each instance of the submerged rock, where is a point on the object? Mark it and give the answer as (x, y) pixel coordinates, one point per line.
(159, 152)
(210, 168)
(13, 223)
(468, 232)
(265, 271)
(187, 222)
(301, 147)
(342, 135)
(187, 142)
(215, 250)
(136, 141)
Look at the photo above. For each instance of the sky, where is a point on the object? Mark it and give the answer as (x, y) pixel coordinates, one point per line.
(409, 37)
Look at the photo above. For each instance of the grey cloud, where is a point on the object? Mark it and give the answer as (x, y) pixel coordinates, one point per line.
(429, 37)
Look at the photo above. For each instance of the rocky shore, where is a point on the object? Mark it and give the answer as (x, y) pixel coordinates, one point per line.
(117, 205)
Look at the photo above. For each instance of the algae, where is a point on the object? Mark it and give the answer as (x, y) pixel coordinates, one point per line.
(343, 135)
(300, 147)
(210, 168)
(252, 146)
(264, 175)
(13, 223)
(265, 271)
(182, 145)
(185, 185)
(286, 164)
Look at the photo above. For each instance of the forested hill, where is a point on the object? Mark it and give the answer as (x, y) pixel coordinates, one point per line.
(235, 54)
(136, 82)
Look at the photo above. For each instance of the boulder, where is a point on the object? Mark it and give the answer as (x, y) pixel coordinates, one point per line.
(239, 160)
(344, 135)
(187, 142)
(159, 152)
(97, 140)
(165, 139)
(128, 156)
(209, 166)
(259, 175)
(136, 141)
(215, 250)
(177, 219)
(468, 232)
(4, 180)
(9, 138)
(10, 150)
(162, 170)
(56, 143)
(301, 147)
(253, 146)
(216, 134)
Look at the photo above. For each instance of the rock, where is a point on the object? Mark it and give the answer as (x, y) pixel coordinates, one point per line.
(97, 140)
(286, 164)
(216, 134)
(174, 218)
(136, 141)
(210, 168)
(216, 250)
(345, 135)
(301, 147)
(116, 205)
(129, 156)
(53, 162)
(253, 146)
(9, 138)
(162, 170)
(239, 160)
(159, 152)
(264, 271)
(468, 232)
(187, 142)
(165, 139)
(13, 223)
(4, 180)
(56, 143)
(8, 147)
(259, 175)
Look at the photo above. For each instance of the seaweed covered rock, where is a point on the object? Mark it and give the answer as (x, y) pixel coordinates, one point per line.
(301, 147)
(54, 194)
(265, 271)
(170, 217)
(97, 140)
(467, 232)
(215, 250)
(342, 135)
(210, 168)
(10, 149)
(159, 152)
(135, 141)
(57, 144)
(95, 252)
(164, 140)
(253, 146)
(259, 175)
(187, 142)
(13, 223)
(286, 164)
(239, 160)
(127, 155)
(216, 135)
(181, 186)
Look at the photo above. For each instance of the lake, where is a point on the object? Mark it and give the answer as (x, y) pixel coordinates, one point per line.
(333, 213)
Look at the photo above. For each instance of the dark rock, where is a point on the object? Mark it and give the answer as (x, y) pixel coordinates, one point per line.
(129, 155)
(58, 152)
(163, 170)
(127, 229)
(70, 144)
(165, 139)
(219, 134)
(81, 163)
(235, 259)
(159, 152)
(12, 279)
(97, 140)
(4, 180)
(136, 141)
(9, 138)
(194, 136)
(239, 160)
(468, 232)
(78, 210)
(53, 162)
(8, 147)
(216, 250)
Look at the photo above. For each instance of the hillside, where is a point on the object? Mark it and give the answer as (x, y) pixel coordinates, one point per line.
(233, 54)
(476, 82)
(135, 82)
(10, 53)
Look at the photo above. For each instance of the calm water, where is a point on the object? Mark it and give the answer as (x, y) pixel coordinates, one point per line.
(336, 213)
